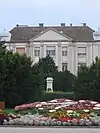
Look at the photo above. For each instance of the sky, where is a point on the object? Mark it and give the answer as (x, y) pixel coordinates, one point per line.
(49, 12)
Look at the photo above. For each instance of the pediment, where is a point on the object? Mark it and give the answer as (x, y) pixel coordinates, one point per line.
(51, 35)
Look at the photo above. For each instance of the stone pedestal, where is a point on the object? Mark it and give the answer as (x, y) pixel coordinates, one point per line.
(49, 84)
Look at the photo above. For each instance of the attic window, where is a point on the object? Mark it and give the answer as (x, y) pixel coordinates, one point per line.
(41, 24)
(63, 24)
(84, 24)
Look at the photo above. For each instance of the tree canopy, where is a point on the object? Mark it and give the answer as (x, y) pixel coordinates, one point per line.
(17, 80)
(21, 82)
(87, 85)
(63, 81)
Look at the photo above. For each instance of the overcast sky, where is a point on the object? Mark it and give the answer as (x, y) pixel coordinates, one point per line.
(50, 12)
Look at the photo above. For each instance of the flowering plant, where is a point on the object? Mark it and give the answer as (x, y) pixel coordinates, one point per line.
(57, 112)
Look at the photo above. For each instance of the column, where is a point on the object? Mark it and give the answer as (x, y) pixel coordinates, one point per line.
(99, 50)
(75, 61)
(95, 51)
(71, 62)
(56, 55)
(13, 48)
(89, 54)
(59, 54)
(41, 50)
(31, 50)
(27, 49)
(44, 51)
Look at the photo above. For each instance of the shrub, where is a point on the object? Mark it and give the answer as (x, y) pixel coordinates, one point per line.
(56, 95)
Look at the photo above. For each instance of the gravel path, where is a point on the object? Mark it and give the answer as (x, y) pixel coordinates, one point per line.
(48, 130)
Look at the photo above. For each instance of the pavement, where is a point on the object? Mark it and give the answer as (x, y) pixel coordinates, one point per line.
(48, 130)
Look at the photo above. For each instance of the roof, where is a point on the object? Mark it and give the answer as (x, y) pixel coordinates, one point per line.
(4, 34)
(97, 33)
(77, 33)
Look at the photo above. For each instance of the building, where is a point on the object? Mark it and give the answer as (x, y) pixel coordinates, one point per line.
(69, 46)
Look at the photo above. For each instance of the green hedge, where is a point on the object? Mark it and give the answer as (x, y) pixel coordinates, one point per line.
(53, 95)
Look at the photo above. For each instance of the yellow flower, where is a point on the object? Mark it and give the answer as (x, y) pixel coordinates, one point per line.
(84, 116)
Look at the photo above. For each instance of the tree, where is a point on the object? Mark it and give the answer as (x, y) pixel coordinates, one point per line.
(81, 90)
(46, 67)
(87, 84)
(2, 46)
(20, 82)
(17, 80)
(2, 69)
(64, 81)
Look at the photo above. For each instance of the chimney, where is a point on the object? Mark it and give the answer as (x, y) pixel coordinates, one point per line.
(84, 24)
(21, 25)
(71, 24)
(41, 24)
(17, 25)
(63, 24)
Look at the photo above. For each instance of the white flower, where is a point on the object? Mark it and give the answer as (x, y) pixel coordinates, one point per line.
(43, 103)
(59, 123)
(30, 122)
(64, 123)
(52, 111)
(96, 108)
(93, 102)
(69, 111)
(68, 100)
(5, 122)
(53, 101)
(11, 122)
(97, 105)
(38, 105)
(81, 101)
(57, 107)
(40, 108)
(86, 110)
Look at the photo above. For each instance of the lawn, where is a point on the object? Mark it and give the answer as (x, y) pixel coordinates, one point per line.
(8, 111)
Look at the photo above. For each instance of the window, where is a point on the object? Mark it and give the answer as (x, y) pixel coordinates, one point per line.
(81, 64)
(64, 51)
(50, 51)
(37, 51)
(81, 51)
(64, 66)
(20, 50)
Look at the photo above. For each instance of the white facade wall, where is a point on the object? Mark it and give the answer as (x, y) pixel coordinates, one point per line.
(92, 51)
(51, 38)
(50, 35)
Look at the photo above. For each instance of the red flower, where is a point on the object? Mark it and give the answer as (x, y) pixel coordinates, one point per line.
(64, 119)
(2, 116)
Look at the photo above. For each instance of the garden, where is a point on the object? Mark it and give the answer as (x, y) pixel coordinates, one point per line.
(22, 82)
(57, 112)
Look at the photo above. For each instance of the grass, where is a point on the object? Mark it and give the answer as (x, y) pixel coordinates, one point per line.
(46, 96)
(58, 92)
(8, 111)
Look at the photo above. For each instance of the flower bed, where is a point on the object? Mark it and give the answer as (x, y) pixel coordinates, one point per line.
(57, 112)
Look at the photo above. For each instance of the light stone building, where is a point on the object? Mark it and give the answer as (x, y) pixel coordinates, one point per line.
(69, 46)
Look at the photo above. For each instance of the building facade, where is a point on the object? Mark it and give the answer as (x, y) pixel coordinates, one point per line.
(69, 46)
